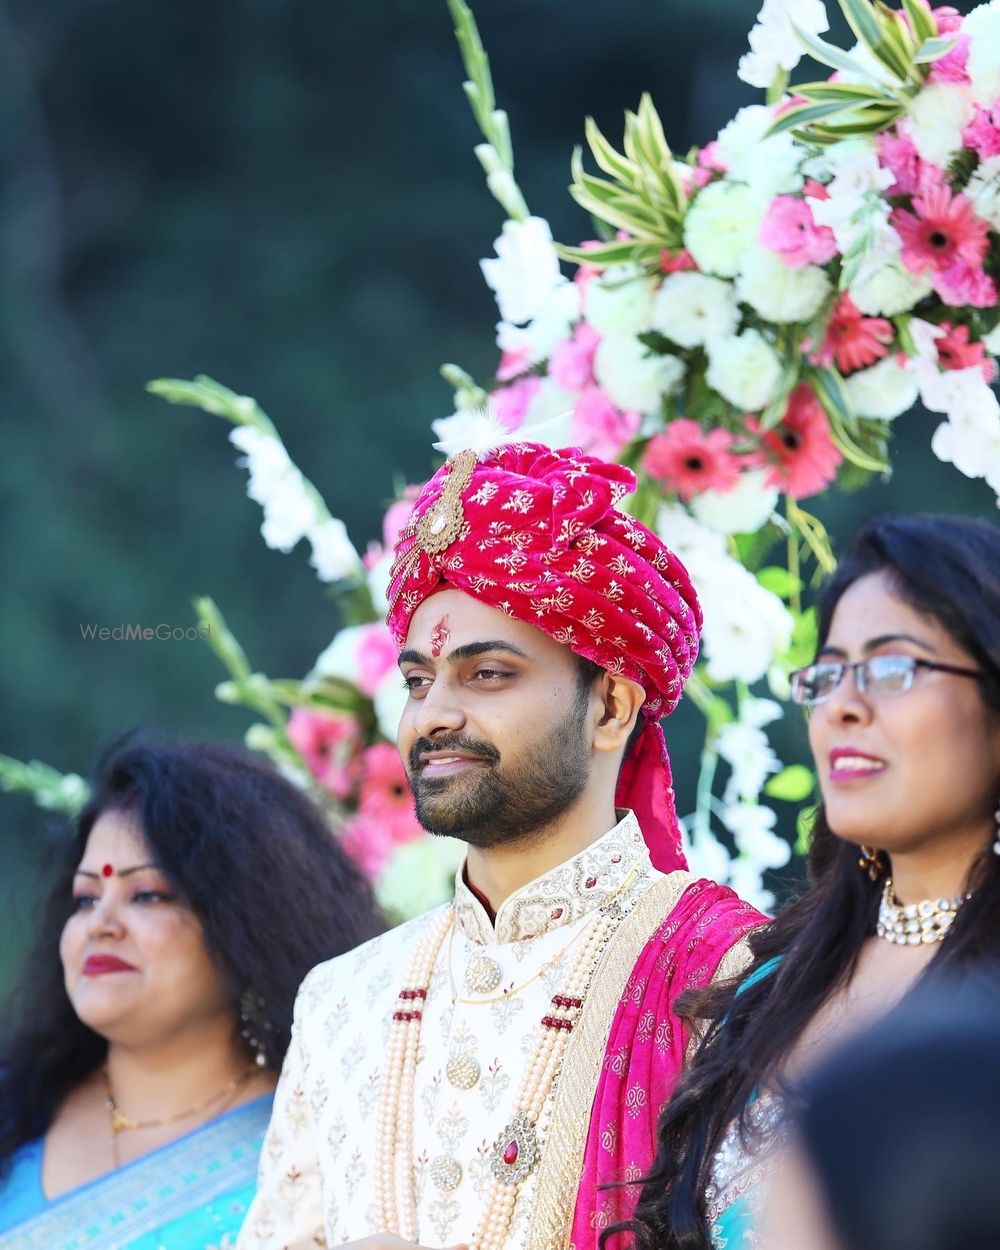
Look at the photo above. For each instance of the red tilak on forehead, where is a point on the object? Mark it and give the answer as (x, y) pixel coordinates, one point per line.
(107, 871)
(439, 636)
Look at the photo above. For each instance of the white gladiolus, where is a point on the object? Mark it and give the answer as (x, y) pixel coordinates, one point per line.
(745, 370)
(936, 117)
(983, 191)
(884, 390)
(778, 292)
(751, 827)
(741, 510)
(721, 224)
(774, 44)
(334, 556)
(746, 750)
(525, 270)
(378, 582)
(619, 300)
(982, 26)
(389, 700)
(553, 322)
(769, 164)
(692, 309)
(633, 377)
(705, 854)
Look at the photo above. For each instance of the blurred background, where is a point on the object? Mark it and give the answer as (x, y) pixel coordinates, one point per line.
(282, 195)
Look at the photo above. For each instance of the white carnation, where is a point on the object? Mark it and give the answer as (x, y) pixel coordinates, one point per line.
(334, 556)
(778, 292)
(722, 223)
(886, 288)
(692, 309)
(991, 341)
(745, 370)
(339, 659)
(983, 191)
(419, 875)
(982, 26)
(746, 626)
(741, 510)
(619, 300)
(525, 270)
(769, 164)
(936, 117)
(633, 377)
(378, 582)
(882, 391)
(971, 442)
(690, 542)
(774, 44)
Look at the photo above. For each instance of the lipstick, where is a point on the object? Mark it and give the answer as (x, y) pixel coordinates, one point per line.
(99, 965)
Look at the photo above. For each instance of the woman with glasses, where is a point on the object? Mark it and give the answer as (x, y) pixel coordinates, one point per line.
(903, 705)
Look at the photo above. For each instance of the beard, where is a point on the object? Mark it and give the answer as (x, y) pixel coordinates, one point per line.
(499, 802)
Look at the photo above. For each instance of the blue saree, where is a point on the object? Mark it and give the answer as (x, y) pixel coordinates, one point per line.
(189, 1195)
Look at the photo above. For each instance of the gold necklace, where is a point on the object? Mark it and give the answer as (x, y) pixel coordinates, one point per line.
(122, 1123)
(915, 924)
(607, 907)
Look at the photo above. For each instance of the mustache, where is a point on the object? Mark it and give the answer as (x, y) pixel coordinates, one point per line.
(453, 742)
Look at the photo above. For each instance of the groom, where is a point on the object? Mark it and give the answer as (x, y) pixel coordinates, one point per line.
(477, 1075)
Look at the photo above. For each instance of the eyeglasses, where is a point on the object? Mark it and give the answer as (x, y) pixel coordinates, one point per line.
(879, 675)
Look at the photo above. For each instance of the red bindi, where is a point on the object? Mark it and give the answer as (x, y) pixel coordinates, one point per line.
(439, 636)
(107, 871)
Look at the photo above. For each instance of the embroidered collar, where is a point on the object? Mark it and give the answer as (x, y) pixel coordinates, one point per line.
(558, 897)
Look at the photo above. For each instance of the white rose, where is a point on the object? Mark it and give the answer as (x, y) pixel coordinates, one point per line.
(693, 309)
(525, 270)
(722, 223)
(619, 300)
(741, 510)
(936, 117)
(887, 289)
(745, 370)
(769, 164)
(778, 292)
(982, 26)
(334, 556)
(883, 391)
(774, 43)
(633, 377)
(983, 191)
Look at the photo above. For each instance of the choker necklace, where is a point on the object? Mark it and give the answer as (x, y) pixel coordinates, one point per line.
(122, 1123)
(915, 924)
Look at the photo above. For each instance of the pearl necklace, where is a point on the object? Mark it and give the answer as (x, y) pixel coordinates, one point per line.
(517, 1149)
(915, 923)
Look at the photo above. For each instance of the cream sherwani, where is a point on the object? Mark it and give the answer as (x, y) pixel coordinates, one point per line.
(317, 1171)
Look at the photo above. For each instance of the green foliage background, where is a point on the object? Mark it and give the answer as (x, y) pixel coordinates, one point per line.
(282, 195)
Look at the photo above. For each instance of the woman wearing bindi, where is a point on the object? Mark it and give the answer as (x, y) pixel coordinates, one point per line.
(137, 1074)
(903, 704)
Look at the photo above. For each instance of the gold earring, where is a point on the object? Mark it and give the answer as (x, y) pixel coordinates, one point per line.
(870, 861)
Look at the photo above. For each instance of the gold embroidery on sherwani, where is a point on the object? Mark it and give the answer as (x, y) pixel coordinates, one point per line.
(569, 1124)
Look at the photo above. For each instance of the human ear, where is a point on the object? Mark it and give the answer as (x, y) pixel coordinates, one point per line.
(621, 700)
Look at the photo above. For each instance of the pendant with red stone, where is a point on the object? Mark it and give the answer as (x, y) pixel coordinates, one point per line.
(515, 1152)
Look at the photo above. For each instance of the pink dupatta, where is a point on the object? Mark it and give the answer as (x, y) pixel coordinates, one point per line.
(645, 1050)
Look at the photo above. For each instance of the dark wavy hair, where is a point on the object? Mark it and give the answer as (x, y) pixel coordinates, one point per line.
(253, 858)
(947, 567)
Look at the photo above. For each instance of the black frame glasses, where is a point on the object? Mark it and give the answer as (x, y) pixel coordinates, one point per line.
(879, 675)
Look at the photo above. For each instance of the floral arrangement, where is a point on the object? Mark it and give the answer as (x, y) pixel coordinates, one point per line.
(746, 328)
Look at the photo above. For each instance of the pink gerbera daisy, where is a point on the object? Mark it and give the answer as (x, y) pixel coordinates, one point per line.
(330, 746)
(956, 352)
(852, 340)
(941, 232)
(689, 460)
(802, 456)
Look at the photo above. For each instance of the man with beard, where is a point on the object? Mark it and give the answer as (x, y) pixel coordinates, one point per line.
(480, 1075)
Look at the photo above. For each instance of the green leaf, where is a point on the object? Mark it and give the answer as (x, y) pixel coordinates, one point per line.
(608, 158)
(858, 92)
(620, 252)
(828, 53)
(863, 21)
(792, 784)
(932, 50)
(803, 830)
(777, 579)
(832, 394)
(922, 23)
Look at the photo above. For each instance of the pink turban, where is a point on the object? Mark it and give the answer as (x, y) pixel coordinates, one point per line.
(537, 534)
